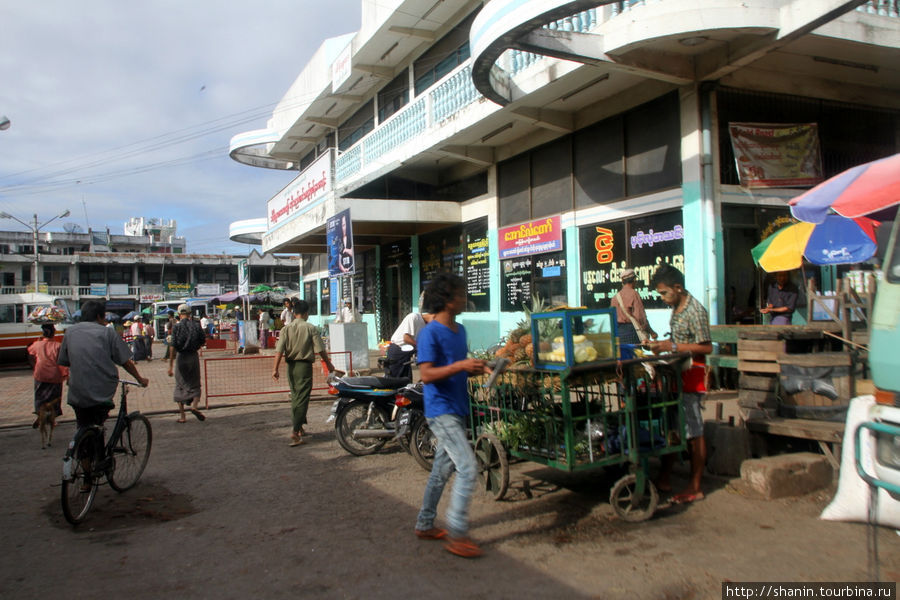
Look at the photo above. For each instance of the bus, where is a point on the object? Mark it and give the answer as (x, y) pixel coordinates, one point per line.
(17, 332)
(199, 307)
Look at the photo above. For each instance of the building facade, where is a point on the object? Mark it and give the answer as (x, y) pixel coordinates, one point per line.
(129, 270)
(538, 147)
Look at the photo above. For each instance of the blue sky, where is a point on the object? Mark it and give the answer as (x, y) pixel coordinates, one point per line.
(122, 109)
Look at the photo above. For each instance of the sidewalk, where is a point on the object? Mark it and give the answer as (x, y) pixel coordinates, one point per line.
(17, 400)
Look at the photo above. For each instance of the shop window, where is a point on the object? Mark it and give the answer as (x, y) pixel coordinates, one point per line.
(356, 127)
(464, 251)
(310, 294)
(393, 96)
(542, 275)
(631, 154)
(641, 244)
(551, 178)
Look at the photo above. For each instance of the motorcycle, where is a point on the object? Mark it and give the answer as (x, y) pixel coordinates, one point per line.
(364, 413)
(412, 427)
(421, 442)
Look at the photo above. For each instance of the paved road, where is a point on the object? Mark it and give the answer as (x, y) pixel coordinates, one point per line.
(227, 510)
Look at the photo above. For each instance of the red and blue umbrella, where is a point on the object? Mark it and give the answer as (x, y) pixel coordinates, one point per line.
(859, 191)
(835, 241)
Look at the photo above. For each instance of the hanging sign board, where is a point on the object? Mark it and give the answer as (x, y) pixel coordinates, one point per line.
(533, 237)
(339, 237)
(776, 155)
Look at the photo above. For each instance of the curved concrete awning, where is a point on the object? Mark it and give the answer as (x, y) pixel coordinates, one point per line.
(248, 231)
(252, 148)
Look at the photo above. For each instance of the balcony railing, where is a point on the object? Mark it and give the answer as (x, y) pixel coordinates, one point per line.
(446, 99)
(885, 8)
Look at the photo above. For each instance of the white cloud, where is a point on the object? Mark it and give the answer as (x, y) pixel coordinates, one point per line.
(100, 91)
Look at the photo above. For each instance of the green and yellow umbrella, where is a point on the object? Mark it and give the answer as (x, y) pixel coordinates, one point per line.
(837, 240)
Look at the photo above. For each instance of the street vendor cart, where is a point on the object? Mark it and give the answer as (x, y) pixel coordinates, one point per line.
(586, 403)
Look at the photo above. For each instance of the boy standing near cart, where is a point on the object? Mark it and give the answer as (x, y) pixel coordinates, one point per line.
(444, 369)
(689, 325)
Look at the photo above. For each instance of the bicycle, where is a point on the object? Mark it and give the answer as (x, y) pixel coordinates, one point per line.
(121, 460)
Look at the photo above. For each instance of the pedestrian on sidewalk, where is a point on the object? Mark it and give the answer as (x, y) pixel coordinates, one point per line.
(264, 329)
(187, 339)
(689, 325)
(48, 374)
(632, 326)
(149, 334)
(138, 347)
(299, 343)
(287, 314)
(444, 368)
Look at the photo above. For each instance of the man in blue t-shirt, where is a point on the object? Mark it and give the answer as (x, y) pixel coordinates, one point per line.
(444, 369)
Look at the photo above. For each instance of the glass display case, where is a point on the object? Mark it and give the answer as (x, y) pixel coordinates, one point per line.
(565, 338)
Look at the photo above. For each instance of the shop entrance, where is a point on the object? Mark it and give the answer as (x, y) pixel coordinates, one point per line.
(743, 228)
(396, 287)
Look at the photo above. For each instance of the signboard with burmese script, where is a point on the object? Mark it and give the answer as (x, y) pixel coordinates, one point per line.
(533, 237)
(302, 193)
(776, 155)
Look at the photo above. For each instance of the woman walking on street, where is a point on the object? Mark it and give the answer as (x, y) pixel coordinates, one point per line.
(187, 339)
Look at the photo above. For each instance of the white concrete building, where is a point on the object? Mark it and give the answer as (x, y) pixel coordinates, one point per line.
(442, 125)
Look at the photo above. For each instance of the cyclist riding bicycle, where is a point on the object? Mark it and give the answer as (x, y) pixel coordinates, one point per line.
(91, 351)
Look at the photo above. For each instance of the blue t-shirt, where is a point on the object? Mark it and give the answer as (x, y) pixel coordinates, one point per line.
(439, 345)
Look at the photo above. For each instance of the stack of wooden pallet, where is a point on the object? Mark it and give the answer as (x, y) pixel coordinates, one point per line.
(758, 366)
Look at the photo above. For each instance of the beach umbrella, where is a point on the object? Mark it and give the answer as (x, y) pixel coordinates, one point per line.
(859, 191)
(835, 241)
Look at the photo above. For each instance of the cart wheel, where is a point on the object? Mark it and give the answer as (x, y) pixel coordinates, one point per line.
(627, 505)
(493, 467)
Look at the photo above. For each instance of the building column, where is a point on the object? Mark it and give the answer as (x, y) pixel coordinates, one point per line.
(701, 220)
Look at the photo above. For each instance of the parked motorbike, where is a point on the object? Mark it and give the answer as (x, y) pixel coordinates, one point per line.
(412, 427)
(364, 413)
(422, 443)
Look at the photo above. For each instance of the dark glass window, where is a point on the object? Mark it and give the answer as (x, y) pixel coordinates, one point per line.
(524, 277)
(357, 126)
(310, 294)
(393, 96)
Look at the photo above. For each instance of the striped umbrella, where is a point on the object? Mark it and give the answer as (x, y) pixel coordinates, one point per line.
(835, 241)
(859, 191)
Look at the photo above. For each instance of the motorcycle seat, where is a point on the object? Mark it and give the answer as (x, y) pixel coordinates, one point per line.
(372, 381)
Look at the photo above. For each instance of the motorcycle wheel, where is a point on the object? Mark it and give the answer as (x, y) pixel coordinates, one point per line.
(423, 444)
(355, 415)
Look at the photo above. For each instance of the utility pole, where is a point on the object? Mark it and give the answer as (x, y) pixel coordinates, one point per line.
(35, 227)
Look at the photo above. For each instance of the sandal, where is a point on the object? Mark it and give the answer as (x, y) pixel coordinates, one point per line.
(464, 547)
(435, 533)
(687, 497)
(200, 416)
(296, 441)
(181, 420)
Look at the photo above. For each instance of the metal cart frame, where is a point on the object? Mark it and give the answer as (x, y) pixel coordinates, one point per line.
(579, 418)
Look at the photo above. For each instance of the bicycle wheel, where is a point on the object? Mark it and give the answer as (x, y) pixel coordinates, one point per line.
(423, 444)
(130, 453)
(79, 485)
(355, 416)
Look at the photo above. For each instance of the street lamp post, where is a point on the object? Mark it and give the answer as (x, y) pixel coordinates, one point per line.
(35, 227)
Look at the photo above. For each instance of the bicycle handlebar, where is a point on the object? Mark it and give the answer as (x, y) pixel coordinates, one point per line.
(125, 382)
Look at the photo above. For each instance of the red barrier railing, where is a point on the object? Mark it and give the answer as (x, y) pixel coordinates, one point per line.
(252, 375)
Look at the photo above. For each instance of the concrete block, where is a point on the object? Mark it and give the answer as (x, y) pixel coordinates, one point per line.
(787, 474)
(728, 447)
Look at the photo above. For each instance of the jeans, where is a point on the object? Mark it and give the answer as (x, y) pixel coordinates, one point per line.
(453, 452)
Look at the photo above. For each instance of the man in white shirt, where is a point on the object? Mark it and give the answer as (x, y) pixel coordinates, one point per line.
(403, 344)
